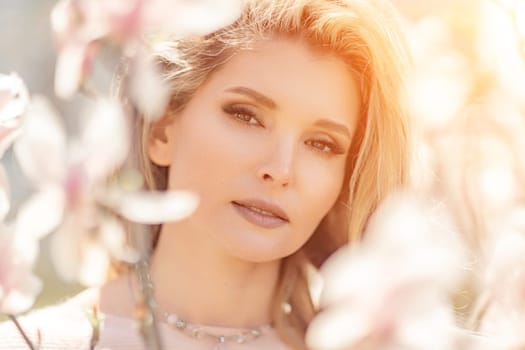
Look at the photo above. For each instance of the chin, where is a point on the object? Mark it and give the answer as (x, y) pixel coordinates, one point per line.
(260, 252)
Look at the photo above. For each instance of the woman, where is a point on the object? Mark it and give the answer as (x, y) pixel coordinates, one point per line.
(288, 126)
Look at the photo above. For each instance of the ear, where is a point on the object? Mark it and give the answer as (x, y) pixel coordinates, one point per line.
(161, 139)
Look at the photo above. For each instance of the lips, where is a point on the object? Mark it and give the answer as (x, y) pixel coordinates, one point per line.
(261, 213)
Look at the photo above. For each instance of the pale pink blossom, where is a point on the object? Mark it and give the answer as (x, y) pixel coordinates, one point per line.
(80, 26)
(19, 248)
(391, 291)
(70, 176)
(14, 99)
(501, 304)
(18, 285)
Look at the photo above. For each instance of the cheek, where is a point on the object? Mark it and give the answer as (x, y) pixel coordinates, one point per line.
(207, 153)
(321, 184)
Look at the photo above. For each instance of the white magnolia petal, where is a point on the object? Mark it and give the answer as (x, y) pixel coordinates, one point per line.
(41, 146)
(17, 284)
(69, 70)
(94, 264)
(418, 238)
(352, 273)
(337, 328)
(113, 237)
(105, 139)
(427, 324)
(158, 207)
(42, 212)
(7, 136)
(25, 250)
(185, 18)
(22, 298)
(149, 92)
(14, 98)
(4, 194)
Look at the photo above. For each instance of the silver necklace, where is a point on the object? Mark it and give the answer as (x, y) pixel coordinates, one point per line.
(201, 332)
(220, 340)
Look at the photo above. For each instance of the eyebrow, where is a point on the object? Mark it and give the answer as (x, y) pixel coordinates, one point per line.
(271, 104)
(336, 127)
(257, 96)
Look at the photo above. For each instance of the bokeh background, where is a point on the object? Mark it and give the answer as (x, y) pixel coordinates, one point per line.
(468, 84)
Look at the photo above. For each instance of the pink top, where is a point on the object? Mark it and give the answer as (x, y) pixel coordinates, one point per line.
(66, 327)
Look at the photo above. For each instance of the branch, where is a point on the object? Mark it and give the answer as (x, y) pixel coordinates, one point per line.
(21, 331)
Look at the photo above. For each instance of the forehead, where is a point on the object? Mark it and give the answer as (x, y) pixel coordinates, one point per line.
(295, 76)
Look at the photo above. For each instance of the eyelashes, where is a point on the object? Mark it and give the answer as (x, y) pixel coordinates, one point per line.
(248, 117)
(243, 114)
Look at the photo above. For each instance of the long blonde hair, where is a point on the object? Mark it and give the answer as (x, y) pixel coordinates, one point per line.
(360, 32)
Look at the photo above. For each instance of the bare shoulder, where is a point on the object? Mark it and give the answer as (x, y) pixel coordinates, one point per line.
(116, 297)
(63, 326)
(66, 325)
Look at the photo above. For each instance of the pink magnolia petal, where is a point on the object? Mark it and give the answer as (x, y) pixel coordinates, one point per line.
(41, 147)
(42, 212)
(157, 207)
(104, 143)
(124, 17)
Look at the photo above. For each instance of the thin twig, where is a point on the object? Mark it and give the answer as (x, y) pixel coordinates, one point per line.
(21, 330)
(145, 304)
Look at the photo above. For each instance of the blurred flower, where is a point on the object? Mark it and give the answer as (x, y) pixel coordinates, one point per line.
(18, 285)
(148, 91)
(14, 99)
(70, 176)
(501, 307)
(440, 81)
(391, 291)
(18, 252)
(81, 25)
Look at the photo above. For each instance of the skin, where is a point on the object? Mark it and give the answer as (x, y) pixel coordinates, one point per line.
(217, 268)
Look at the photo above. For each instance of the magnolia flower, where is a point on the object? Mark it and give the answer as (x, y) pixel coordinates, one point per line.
(501, 307)
(70, 177)
(14, 99)
(18, 285)
(80, 26)
(390, 292)
(18, 252)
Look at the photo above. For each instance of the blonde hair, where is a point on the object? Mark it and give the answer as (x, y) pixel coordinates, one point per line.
(360, 33)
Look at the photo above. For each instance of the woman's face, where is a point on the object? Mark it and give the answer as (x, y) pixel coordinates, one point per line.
(264, 143)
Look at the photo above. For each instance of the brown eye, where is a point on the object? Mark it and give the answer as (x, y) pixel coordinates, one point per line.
(325, 147)
(243, 115)
(321, 146)
(246, 118)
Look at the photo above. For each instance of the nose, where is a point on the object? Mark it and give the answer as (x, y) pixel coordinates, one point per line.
(277, 168)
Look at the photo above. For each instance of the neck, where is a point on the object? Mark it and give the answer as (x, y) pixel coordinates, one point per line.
(200, 283)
